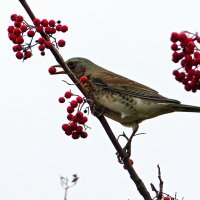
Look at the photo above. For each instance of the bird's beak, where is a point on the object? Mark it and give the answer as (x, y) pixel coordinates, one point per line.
(59, 70)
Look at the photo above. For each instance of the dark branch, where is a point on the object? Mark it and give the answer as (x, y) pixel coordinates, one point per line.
(160, 194)
(138, 182)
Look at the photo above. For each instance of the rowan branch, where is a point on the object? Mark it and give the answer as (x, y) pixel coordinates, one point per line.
(133, 175)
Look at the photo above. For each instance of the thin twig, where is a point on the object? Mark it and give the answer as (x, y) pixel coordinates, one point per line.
(160, 184)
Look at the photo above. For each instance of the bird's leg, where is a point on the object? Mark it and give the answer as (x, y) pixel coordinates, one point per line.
(127, 147)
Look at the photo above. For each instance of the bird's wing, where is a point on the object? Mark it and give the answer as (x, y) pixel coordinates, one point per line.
(120, 84)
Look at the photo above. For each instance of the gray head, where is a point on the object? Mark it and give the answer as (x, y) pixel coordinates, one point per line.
(81, 66)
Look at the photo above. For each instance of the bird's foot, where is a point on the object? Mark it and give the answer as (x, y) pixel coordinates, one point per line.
(127, 147)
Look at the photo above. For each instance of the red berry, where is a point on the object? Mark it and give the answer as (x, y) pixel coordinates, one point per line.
(75, 118)
(182, 37)
(61, 43)
(52, 70)
(75, 135)
(174, 37)
(41, 40)
(65, 127)
(17, 24)
(197, 73)
(13, 17)
(61, 100)
(83, 79)
(83, 134)
(23, 28)
(74, 103)
(70, 116)
(19, 55)
(70, 109)
(68, 132)
(175, 72)
(39, 29)
(48, 44)
(191, 45)
(79, 128)
(79, 114)
(27, 54)
(10, 29)
(41, 47)
(198, 39)
(68, 94)
(175, 55)
(64, 28)
(15, 48)
(131, 161)
(36, 22)
(48, 30)
(188, 58)
(166, 198)
(12, 36)
(73, 125)
(19, 40)
(52, 23)
(196, 54)
(19, 18)
(79, 99)
(174, 47)
(19, 47)
(17, 31)
(83, 120)
(53, 30)
(30, 33)
(44, 22)
(58, 27)
(183, 63)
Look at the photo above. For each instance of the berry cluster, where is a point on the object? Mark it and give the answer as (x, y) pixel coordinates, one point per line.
(131, 162)
(186, 52)
(20, 29)
(76, 126)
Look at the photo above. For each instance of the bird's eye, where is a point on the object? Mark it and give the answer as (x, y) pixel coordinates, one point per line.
(71, 64)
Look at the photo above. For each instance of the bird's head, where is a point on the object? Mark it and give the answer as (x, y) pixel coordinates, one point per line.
(79, 66)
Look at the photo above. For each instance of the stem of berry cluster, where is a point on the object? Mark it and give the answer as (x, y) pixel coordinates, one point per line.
(138, 182)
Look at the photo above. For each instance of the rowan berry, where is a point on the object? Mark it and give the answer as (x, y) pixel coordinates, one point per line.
(52, 70)
(44, 22)
(36, 22)
(83, 79)
(19, 55)
(61, 100)
(68, 94)
(64, 28)
(61, 43)
(31, 33)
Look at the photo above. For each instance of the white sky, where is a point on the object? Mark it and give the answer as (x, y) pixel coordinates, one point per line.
(127, 37)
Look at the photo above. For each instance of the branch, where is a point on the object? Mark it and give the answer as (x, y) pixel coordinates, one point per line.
(133, 175)
(159, 194)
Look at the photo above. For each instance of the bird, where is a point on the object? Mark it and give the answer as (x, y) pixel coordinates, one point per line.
(121, 99)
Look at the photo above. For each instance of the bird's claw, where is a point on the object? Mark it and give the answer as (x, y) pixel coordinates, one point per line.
(127, 147)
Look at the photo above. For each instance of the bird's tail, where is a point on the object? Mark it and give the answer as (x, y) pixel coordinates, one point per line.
(185, 108)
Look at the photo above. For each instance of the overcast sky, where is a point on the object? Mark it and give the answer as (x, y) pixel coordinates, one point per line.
(128, 37)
